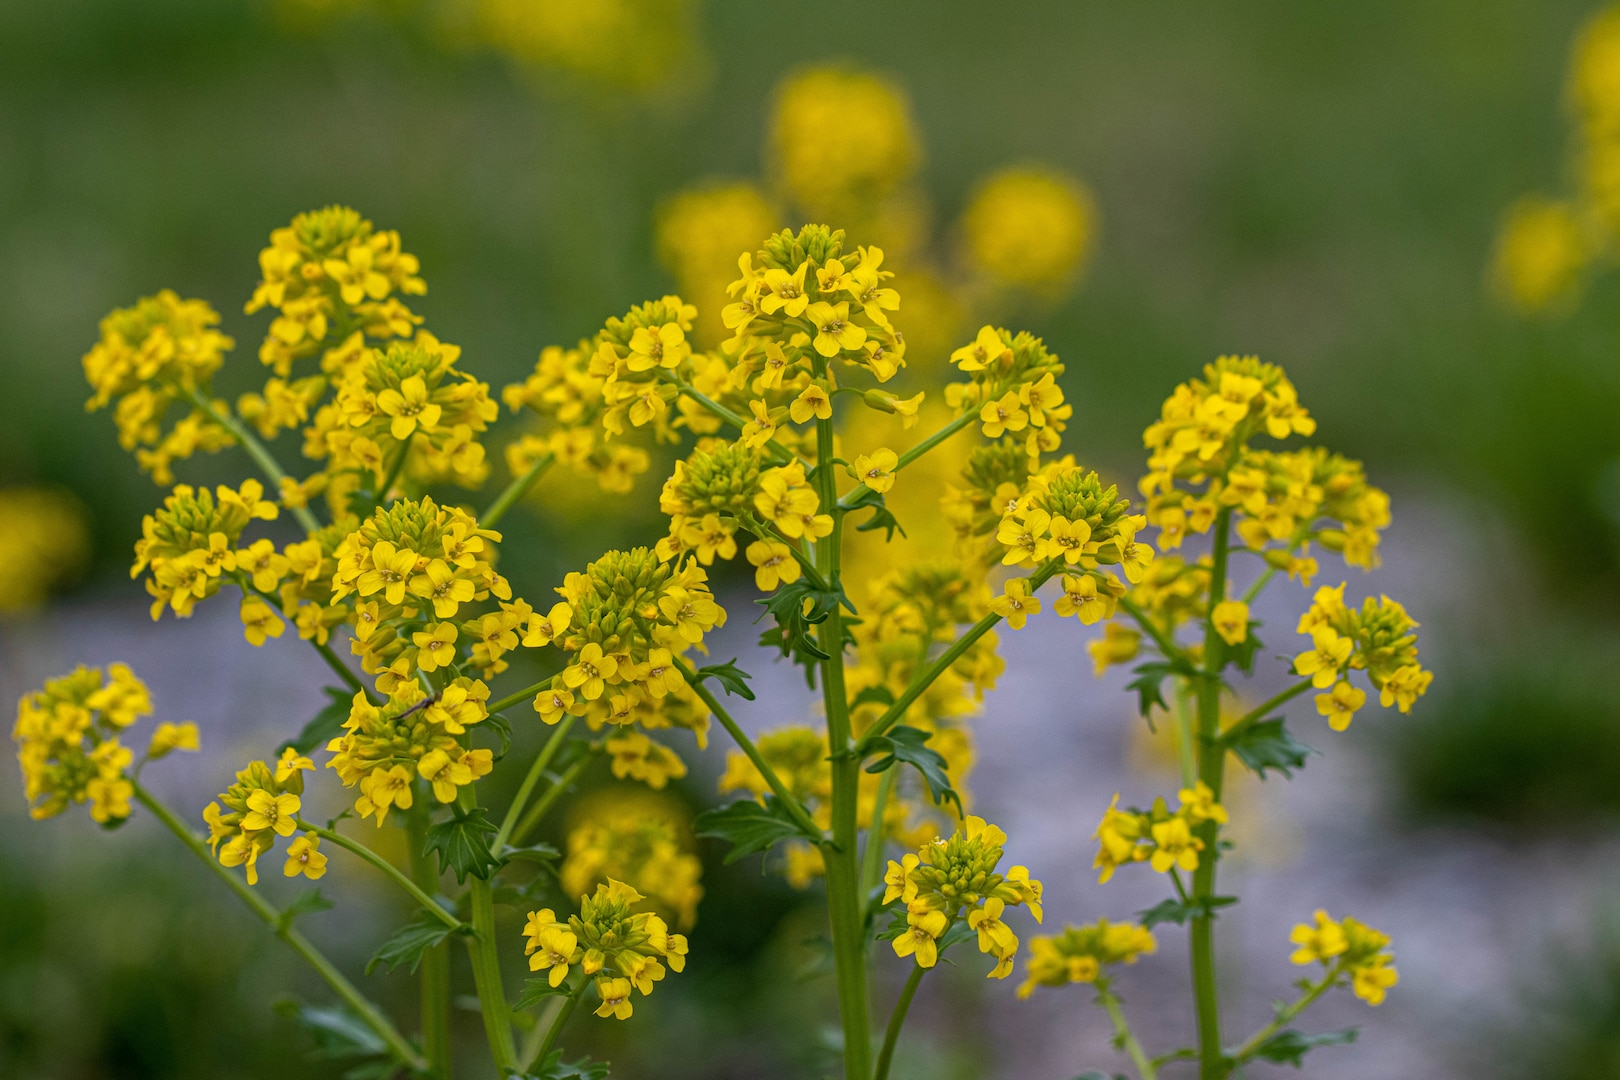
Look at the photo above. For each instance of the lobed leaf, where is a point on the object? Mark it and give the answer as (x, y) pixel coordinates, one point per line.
(409, 943)
(751, 827)
(462, 845)
(907, 744)
(1267, 745)
(1289, 1047)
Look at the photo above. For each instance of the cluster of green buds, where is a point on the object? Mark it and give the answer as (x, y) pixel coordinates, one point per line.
(620, 948)
(1156, 836)
(1378, 638)
(260, 806)
(1080, 954)
(189, 544)
(953, 877)
(1066, 512)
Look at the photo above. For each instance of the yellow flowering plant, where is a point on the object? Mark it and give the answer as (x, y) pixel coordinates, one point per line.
(796, 453)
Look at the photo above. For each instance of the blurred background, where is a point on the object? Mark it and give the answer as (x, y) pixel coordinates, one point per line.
(1408, 205)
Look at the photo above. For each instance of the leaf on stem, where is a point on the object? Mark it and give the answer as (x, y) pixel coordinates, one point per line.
(409, 943)
(797, 607)
(555, 1068)
(537, 990)
(882, 517)
(308, 902)
(1149, 681)
(1289, 1047)
(750, 827)
(337, 1031)
(733, 679)
(462, 845)
(1176, 911)
(907, 744)
(1267, 745)
(328, 723)
(1242, 654)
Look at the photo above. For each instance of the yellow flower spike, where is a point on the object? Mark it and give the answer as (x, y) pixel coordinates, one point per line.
(304, 857)
(1174, 846)
(1016, 604)
(167, 738)
(1231, 620)
(1341, 704)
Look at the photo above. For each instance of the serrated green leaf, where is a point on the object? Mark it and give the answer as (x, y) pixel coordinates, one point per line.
(879, 695)
(750, 827)
(1148, 685)
(882, 517)
(307, 902)
(502, 727)
(1175, 911)
(409, 943)
(1243, 653)
(731, 678)
(1267, 745)
(327, 724)
(1289, 1047)
(537, 990)
(555, 1068)
(338, 1032)
(907, 744)
(462, 845)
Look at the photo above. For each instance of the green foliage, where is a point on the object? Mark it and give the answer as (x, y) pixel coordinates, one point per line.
(327, 724)
(537, 990)
(797, 607)
(307, 902)
(907, 744)
(336, 1030)
(731, 677)
(1178, 912)
(1289, 1047)
(462, 844)
(409, 943)
(555, 1068)
(1149, 682)
(882, 517)
(750, 827)
(1266, 744)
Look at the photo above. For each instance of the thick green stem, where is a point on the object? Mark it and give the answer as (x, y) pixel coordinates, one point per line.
(854, 494)
(368, 1013)
(543, 805)
(897, 1020)
(1125, 1037)
(434, 975)
(256, 450)
(542, 761)
(486, 965)
(389, 870)
(554, 1032)
(740, 737)
(1211, 770)
(514, 491)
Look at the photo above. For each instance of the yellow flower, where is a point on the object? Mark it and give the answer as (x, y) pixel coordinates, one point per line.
(876, 470)
(1323, 941)
(834, 331)
(1029, 227)
(1081, 599)
(615, 995)
(259, 622)
(1325, 659)
(773, 563)
(1175, 845)
(1003, 415)
(921, 937)
(1023, 535)
(382, 789)
(1341, 704)
(1372, 982)
(436, 646)
(167, 738)
(1016, 604)
(1199, 805)
(813, 402)
(986, 349)
(1542, 251)
(268, 811)
(1231, 620)
(408, 406)
(304, 857)
(590, 671)
(290, 764)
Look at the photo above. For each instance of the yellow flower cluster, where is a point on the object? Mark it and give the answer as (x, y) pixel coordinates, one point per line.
(642, 840)
(1012, 386)
(841, 139)
(1030, 228)
(699, 233)
(67, 737)
(411, 567)
(159, 352)
(1350, 948)
(622, 949)
(332, 279)
(189, 548)
(1378, 638)
(44, 541)
(1080, 953)
(1542, 250)
(385, 748)
(261, 805)
(634, 44)
(1156, 836)
(957, 876)
(623, 622)
(567, 399)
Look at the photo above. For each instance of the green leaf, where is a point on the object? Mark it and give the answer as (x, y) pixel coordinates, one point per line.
(409, 943)
(797, 607)
(1148, 685)
(537, 990)
(328, 723)
(308, 902)
(1094, 1074)
(338, 1032)
(544, 855)
(1242, 654)
(555, 1068)
(907, 744)
(501, 726)
(462, 845)
(732, 678)
(1289, 1047)
(880, 695)
(882, 517)
(750, 827)
(1177, 912)
(1267, 745)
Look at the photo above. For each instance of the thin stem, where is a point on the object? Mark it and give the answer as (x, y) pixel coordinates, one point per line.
(399, 467)
(1165, 643)
(1285, 1015)
(434, 974)
(1255, 715)
(778, 453)
(897, 1020)
(255, 449)
(542, 761)
(543, 805)
(368, 1013)
(872, 857)
(555, 1031)
(1124, 1036)
(922, 682)
(1211, 770)
(791, 804)
(854, 494)
(1184, 735)
(515, 491)
(338, 666)
(512, 699)
(1259, 584)
(389, 871)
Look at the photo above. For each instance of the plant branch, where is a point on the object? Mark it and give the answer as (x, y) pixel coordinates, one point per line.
(543, 805)
(514, 491)
(255, 449)
(1123, 1034)
(555, 1031)
(542, 761)
(389, 870)
(1255, 715)
(853, 495)
(897, 1020)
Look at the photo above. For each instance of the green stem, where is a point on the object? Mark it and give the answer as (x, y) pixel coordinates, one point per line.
(778, 453)
(486, 965)
(368, 1013)
(542, 761)
(1184, 732)
(350, 678)
(854, 494)
(1259, 584)
(543, 805)
(1255, 715)
(1211, 770)
(255, 449)
(872, 857)
(897, 1020)
(555, 1031)
(1166, 644)
(389, 870)
(399, 467)
(515, 491)
(1124, 1036)
(434, 976)
(522, 695)
(791, 804)
(1285, 1016)
(922, 682)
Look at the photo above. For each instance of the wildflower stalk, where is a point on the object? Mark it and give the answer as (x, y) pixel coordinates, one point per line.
(543, 805)
(432, 906)
(1255, 715)
(1123, 1035)
(872, 857)
(515, 491)
(779, 454)
(434, 975)
(486, 965)
(1165, 643)
(897, 1020)
(502, 704)
(555, 1031)
(1285, 1016)
(854, 494)
(1211, 770)
(368, 1013)
(542, 761)
(846, 906)
(256, 450)
(398, 467)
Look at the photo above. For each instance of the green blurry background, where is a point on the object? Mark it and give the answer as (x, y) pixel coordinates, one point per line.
(1318, 184)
